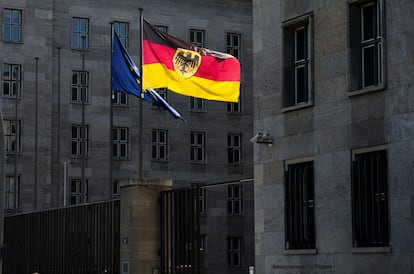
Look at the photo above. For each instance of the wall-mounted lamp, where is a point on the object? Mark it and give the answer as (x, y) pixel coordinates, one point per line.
(262, 138)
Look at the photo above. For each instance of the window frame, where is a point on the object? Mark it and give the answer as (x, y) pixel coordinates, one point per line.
(232, 250)
(193, 37)
(11, 192)
(123, 37)
(79, 33)
(197, 104)
(198, 149)
(362, 206)
(81, 193)
(291, 64)
(233, 149)
(79, 86)
(120, 99)
(8, 136)
(233, 200)
(120, 144)
(157, 145)
(202, 201)
(11, 81)
(19, 26)
(300, 226)
(357, 44)
(78, 141)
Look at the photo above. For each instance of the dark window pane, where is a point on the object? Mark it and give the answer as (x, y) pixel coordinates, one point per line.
(301, 84)
(368, 22)
(369, 66)
(300, 44)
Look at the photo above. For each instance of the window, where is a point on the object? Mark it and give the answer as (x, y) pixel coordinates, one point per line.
(78, 134)
(233, 148)
(370, 199)
(12, 80)
(78, 192)
(12, 136)
(202, 199)
(80, 33)
(80, 83)
(233, 44)
(116, 189)
(197, 104)
(159, 144)
(12, 193)
(163, 93)
(234, 251)
(122, 28)
(299, 206)
(119, 98)
(234, 199)
(120, 143)
(366, 45)
(198, 146)
(162, 28)
(12, 25)
(197, 37)
(297, 72)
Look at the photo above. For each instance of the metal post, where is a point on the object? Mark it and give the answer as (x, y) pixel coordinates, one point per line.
(140, 101)
(58, 131)
(83, 129)
(16, 143)
(36, 137)
(65, 178)
(111, 121)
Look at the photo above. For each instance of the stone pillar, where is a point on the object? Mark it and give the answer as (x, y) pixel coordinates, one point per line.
(140, 225)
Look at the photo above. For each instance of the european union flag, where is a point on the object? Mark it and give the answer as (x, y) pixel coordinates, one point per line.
(125, 78)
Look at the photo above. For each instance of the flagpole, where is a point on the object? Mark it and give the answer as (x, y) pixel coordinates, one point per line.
(36, 133)
(83, 129)
(141, 94)
(111, 121)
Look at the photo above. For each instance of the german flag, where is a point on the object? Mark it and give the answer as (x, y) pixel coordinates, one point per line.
(169, 62)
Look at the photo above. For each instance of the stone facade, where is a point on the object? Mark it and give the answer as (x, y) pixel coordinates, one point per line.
(46, 33)
(328, 131)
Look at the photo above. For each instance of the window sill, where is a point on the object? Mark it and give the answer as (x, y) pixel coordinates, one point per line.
(359, 250)
(159, 161)
(312, 251)
(198, 110)
(366, 90)
(121, 159)
(298, 106)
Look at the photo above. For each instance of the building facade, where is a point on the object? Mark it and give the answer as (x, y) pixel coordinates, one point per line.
(59, 114)
(333, 87)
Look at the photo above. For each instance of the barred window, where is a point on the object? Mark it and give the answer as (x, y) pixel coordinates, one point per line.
(120, 143)
(159, 145)
(370, 199)
(12, 25)
(299, 206)
(12, 80)
(198, 146)
(80, 33)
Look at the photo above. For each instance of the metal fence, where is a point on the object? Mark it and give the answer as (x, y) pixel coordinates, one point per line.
(180, 231)
(76, 239)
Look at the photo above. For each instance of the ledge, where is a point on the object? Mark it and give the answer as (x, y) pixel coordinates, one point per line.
(300, 251)
(359, 250)
(366, 90)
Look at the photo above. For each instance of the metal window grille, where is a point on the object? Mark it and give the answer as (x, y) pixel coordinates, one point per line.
(80, 83)
(370, 199)
(80, 28)
(12, 80)
(299, 206)
(159, 145)
(12, 25)
(198, 146)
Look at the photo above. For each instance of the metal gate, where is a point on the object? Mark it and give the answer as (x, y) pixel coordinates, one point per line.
(180, 231)
(76, 239)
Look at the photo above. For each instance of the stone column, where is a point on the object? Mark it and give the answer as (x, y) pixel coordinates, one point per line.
(140, 225)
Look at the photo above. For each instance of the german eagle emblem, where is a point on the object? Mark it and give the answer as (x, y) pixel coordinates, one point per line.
(186, 62)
